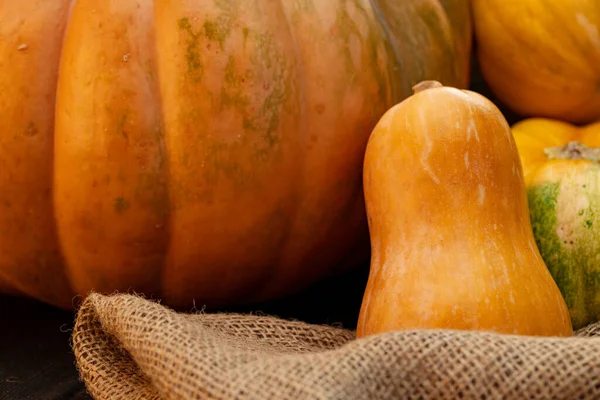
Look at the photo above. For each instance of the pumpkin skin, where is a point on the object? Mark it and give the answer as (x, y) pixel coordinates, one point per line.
(452, 243)
(199, 150)
(563, 185)
(541, 58)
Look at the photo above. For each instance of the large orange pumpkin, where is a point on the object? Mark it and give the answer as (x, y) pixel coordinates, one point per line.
(206, 150)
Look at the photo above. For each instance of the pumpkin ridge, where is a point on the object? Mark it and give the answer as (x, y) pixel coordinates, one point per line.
(385, 26)
(286, 214)
(31, 36)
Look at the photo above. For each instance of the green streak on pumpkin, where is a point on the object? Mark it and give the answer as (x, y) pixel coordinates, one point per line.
(195, 69)
(245, 32)
(219, 29)
(232, 93)
(375, 52)
(303, 6)
(435, 22)
(265, 120)
(219, 157)
(302, 9)
(231, 76)
(573, 263)
(151, 186)
(382, 58)
(348, 29)
(266, 74)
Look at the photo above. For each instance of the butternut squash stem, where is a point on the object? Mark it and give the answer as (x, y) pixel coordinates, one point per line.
(424, 85)
(573, 151)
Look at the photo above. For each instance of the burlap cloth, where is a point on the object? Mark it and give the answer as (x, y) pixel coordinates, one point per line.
(128, 347)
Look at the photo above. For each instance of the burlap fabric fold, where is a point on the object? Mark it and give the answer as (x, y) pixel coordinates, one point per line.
(128, 347)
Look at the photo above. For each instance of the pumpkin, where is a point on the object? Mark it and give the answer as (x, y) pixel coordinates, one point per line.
(560, 161)
(541, 58)
(452, 243)
(199, 150)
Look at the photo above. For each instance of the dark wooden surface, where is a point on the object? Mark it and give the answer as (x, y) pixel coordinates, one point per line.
(36, 361)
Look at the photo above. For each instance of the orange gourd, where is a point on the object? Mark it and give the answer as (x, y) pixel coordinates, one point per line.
(561, 164)
(541, 58)
(452, 243)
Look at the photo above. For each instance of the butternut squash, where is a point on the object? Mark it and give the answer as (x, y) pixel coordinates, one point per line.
(452, 243)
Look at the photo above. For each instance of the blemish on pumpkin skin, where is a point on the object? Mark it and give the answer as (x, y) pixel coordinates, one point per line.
(120, 205)
(245, 32)
(121, 126)
(320, 108)
(30, 130)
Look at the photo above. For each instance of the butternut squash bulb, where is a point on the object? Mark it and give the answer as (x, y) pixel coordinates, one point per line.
(541, 58)
(206, 150)
(562, 171)
(452, 243)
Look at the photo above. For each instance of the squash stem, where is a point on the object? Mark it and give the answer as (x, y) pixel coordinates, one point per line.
(573, 151)
(424, 85)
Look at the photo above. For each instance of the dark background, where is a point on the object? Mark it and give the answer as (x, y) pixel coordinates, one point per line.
(35, 356)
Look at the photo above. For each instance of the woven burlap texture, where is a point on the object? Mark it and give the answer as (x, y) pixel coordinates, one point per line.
(128, 347)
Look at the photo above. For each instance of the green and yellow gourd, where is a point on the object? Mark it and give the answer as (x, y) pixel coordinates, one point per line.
(563, 184)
